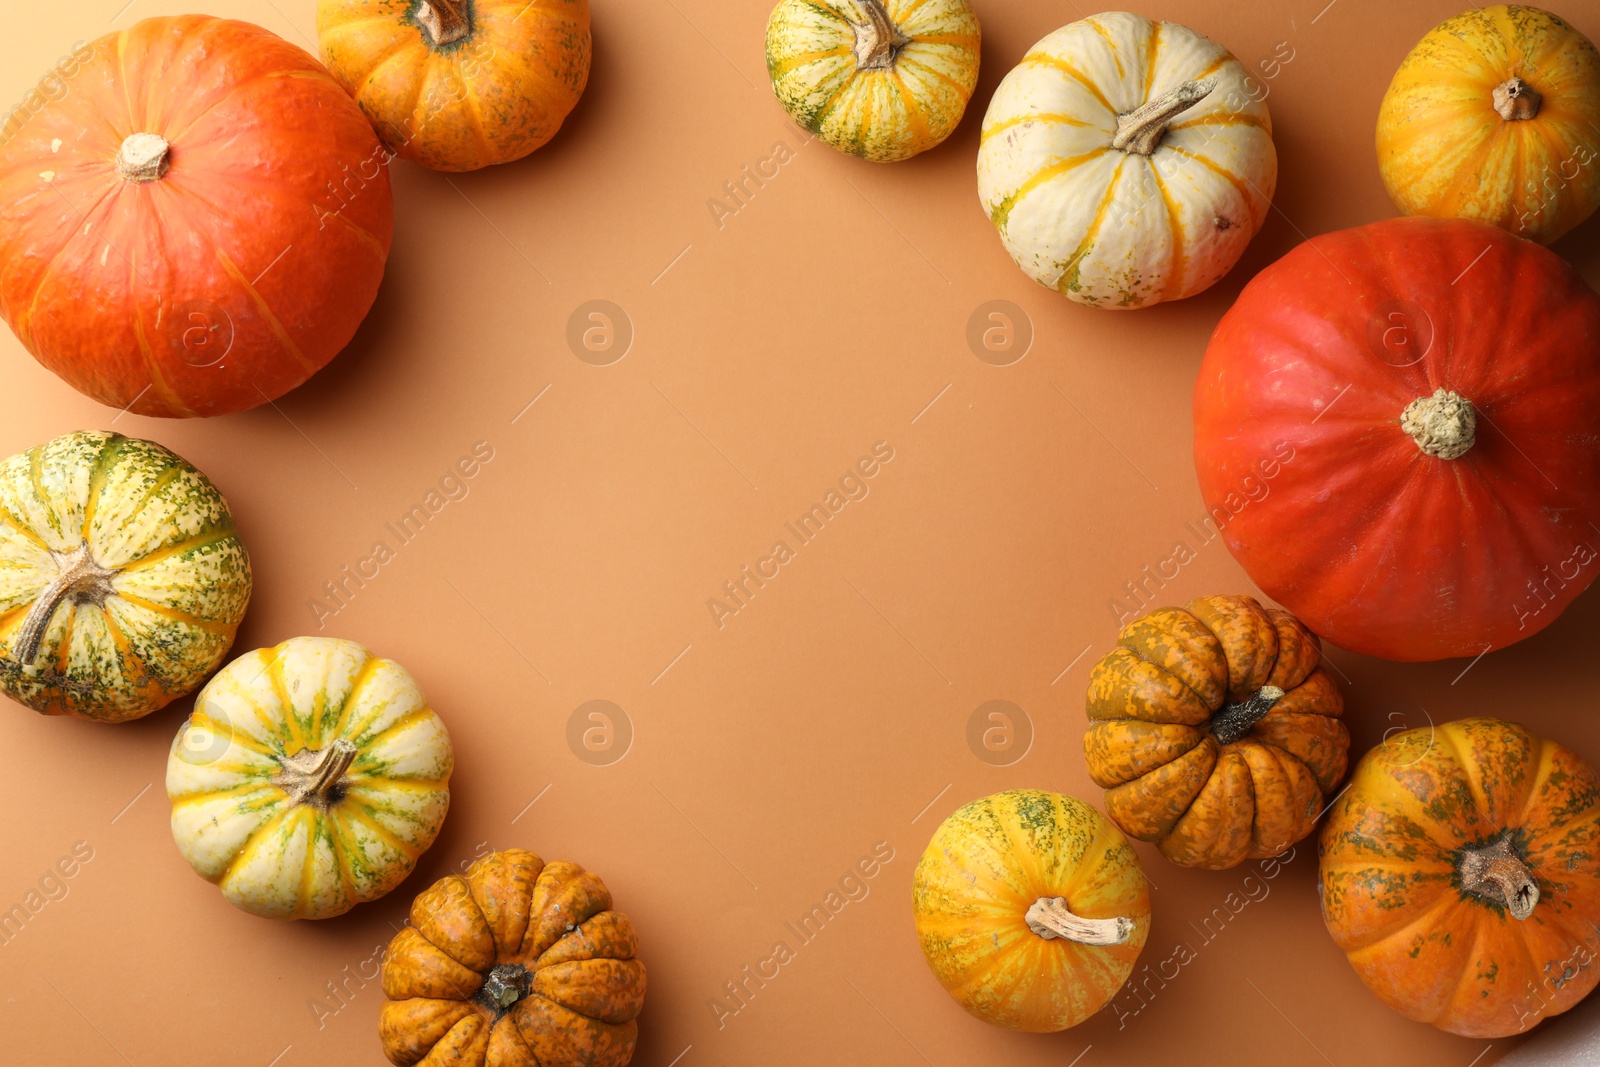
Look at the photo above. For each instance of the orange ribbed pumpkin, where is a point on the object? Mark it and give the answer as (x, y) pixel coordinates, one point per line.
(197, 221)
(457, 85)
(517, 963)
(1461, 875)
(1215, 732)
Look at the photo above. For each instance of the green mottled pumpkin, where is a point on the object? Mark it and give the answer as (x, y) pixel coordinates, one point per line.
(122, 579)
(309, 778)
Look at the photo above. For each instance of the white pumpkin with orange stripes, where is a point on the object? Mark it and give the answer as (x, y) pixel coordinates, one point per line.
(309, 778)
(880, 79)
(1126, 161)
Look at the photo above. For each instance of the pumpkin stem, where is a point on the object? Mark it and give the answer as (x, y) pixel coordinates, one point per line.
(1515, 100)
(1049, 918)
(445, 20)
(1496, 873)
(311, 776)
(1444, 424)
(505, 985)
(1141, 129)
(80, 579)
(1233, 721)
(143, 157)
(878, 39)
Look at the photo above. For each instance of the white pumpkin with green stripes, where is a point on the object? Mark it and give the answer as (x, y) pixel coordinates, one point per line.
(309, 778)
(122, 579)
(1126, 161)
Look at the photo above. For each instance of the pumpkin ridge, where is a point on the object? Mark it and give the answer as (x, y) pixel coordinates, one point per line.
(1110, 43)
(289, 728)
(1152, 50)
(790, 64)
(1048, 60)
(1177, 266)
(232, 91)
(200, 540)
(235, 737)
(1447, 899)
(1238, 184)
(269, 316)
(258, 837)
(110, 447)
(1046, 117)
(410, 718)
(407, 850)
(1003, 210)
(308, 866)
(208, 625)
(352, 697)
(1470, 770)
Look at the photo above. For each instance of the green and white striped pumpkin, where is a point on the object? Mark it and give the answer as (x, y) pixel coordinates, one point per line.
(1126, 161)
(880, 79)
(309, 778)
(122, 579)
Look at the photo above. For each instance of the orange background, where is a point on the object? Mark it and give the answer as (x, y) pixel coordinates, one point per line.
(768, 354)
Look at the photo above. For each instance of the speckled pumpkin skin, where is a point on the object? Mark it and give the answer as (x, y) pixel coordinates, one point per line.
(1391, 893)
(986, 865)
(883, 115)
(238, 827)
(493, 96)
(1444, 151)
(1167, 777)
(513, 910)
(182, 582)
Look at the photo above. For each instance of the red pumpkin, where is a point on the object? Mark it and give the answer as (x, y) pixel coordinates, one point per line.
(194, 218)
(1397, 429)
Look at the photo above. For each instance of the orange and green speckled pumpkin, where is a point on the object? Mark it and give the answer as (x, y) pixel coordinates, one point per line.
(517, 963)
(880, 79)
(1031, 909)
(1495, 115)
(1461, 874)
(458, 85)
(308, 779)
(1214, 731)
(122, 579)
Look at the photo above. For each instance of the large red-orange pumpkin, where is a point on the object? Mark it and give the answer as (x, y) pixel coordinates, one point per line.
(1397, 428)
(194, 218)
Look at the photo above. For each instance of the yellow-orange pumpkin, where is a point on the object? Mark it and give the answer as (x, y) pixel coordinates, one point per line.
(457, 85)
(1495, 115)
(1461, 874)
(1215, 732)
(1031, 909)
(517, 963)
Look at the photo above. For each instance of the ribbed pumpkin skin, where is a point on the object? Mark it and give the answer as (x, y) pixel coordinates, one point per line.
(1444, 151)
(512, 911)
(1378, 546)
(1107, 227)
(886, 114)
(179, 593)
(1206, 801)
(1392, 898)
(237, 825)
(231, 279)
(986, 865)
(490, 97)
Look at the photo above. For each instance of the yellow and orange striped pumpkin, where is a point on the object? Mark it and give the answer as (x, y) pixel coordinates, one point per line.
(458, 85)
(1495, 116)
(309, 778)
(1460, 873)
(1215, 732)
(518, 961)
(1126, 161)
(1031, 909)
(122, 579)
(880, 79)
